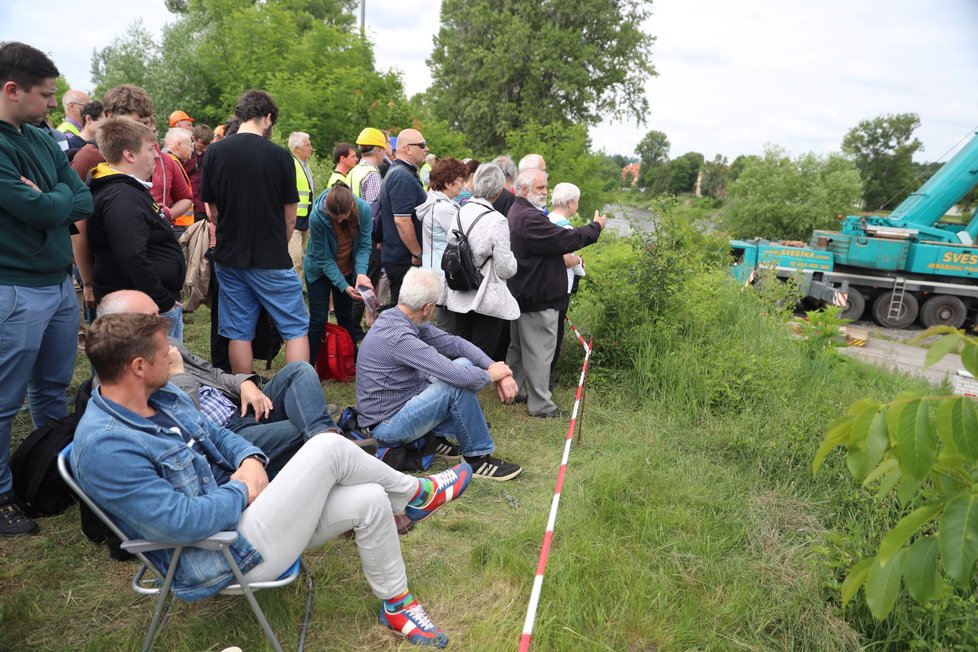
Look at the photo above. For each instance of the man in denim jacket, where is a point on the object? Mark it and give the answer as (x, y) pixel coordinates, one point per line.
(166, 473)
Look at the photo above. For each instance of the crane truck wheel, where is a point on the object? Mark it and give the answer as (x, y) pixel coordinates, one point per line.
(943, 310)
(905, 315)
(855, 305)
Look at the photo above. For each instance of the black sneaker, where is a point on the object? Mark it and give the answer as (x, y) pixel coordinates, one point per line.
(553, 414)
(446, 449)
(488, 467)
(13, 521)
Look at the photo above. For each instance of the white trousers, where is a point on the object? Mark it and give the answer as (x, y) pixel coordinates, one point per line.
(328, 487)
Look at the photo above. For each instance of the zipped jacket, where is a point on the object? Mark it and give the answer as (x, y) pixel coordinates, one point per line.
(155, 486)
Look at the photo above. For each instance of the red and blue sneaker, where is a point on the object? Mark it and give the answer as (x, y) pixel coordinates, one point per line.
(438, 489)
(411, 622)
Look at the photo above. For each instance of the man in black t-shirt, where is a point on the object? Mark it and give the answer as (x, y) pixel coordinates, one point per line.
(400, 194)
(249, 188)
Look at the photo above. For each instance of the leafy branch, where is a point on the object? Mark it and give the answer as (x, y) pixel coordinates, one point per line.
(925, 450)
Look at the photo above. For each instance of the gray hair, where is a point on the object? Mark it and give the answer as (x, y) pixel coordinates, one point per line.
(297, 139)
(420, 287)
(506, 164)
(176, 133)
(488, 181)
(564, 193)
(525, 179)
(532, 161)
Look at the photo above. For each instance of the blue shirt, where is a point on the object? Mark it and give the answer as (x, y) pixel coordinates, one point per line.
(397, 358)
(400, 193)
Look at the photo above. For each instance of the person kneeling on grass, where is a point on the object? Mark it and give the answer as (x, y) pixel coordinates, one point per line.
(186, 478)
(414, 378)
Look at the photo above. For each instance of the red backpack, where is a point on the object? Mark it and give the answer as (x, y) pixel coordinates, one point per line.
(335, 360)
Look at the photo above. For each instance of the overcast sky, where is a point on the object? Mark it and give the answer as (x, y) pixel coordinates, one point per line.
(733, 76)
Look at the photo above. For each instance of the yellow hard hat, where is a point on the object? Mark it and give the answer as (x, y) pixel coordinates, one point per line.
(371, 136)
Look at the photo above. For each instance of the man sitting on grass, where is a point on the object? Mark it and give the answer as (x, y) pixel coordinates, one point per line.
(413, 378)
(165, 472)
(291, 409)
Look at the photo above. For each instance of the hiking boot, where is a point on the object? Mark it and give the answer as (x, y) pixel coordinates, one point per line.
(444, 487)
(488, 467)
(413, 623)
(13, 521)
(446, 449)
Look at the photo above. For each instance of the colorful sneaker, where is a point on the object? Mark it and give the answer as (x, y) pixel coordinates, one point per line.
(446, 449)
(413, 623)
(492, 468)
(14, 522)
(445, 486)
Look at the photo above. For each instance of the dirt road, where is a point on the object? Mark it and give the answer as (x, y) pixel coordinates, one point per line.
(890, 348)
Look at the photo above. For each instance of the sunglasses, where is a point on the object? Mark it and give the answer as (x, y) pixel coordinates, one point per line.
(422, 145)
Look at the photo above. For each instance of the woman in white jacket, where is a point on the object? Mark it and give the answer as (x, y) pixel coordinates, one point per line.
(437, 216)
(481, 314)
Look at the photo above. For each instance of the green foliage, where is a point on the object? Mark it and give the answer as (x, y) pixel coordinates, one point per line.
(569, 158)
(777, 197)
(304, 52)
(653, 153)
(821, 329)
(499, 66)
(925, 449)
(713, 177)
(56, 116)
(681, 173)
(883, 149)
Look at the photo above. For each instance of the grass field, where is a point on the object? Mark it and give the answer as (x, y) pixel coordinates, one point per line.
(689, 521)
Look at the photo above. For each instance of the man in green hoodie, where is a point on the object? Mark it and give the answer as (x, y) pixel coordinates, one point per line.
(40, 198)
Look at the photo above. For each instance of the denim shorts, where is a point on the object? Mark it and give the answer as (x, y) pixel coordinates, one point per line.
(245, 291)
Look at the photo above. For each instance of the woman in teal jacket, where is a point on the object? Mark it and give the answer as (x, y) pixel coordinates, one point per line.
(336, 260)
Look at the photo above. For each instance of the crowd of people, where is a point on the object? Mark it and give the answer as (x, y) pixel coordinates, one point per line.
(103, 225)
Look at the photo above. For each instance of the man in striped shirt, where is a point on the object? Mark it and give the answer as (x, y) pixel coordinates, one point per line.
(413, 378)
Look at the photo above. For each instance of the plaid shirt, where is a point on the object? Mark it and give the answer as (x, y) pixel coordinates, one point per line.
(215, 406)
(397, 359)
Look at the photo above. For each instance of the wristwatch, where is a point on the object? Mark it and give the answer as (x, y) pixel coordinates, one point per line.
(417, 255)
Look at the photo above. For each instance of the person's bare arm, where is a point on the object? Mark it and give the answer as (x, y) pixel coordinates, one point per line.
(289, 211)
(83, 258)
(405, 229)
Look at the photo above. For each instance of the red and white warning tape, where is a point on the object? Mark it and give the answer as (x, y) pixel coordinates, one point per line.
(531, 609)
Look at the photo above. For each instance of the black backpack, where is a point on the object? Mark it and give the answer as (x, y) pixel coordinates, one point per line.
(34, 465)
(461, 274)
(267, 342)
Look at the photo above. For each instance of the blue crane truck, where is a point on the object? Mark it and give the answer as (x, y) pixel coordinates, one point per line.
(906, 266)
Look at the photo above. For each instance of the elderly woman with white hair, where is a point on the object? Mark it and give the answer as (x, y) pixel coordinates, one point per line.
(565, 201)
(481, 314)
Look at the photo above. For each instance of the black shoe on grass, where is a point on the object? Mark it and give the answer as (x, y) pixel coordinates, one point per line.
(13, 521)
(446, 449)
(488, 467)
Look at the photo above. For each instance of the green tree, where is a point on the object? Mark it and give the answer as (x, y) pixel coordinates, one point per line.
(713, 177)
(569, 158)
(777, 197)
(499, 65)
(304, 52)
(883, 149)
(681, 173)
(653, 153)
(738, 165)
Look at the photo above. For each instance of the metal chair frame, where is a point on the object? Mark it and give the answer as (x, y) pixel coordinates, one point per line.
(150, 584)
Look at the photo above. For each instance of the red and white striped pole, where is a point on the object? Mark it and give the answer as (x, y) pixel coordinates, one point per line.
(531, 609)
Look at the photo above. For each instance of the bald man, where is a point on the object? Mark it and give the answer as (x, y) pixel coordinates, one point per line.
(400, 193)
(73, 101)
(533, 162)
(279, 419)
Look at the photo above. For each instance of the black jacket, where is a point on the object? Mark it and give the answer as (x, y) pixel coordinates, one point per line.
(132, 241)
(540, 282)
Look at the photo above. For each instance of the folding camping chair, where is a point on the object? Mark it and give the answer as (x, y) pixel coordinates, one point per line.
(149, 580)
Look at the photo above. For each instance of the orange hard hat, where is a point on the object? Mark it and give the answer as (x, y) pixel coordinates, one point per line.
(177, 116)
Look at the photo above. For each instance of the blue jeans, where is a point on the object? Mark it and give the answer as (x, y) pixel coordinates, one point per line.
(175, 315)
(444, 409)
(298, 412)
(320, 291)
(38, 343)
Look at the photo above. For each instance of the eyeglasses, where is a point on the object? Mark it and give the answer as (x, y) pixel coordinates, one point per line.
(422, 145)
